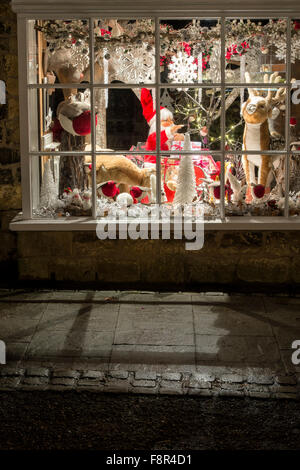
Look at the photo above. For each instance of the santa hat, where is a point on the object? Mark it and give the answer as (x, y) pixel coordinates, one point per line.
(80, 125)
(148, 111)
(109, 189)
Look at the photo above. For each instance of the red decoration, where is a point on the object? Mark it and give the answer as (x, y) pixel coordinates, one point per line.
(228, 191)
(57, 130)
(297, 25)
(110, 189)
(272, 203)
(233, 50)
(259, 191)
(136, 192)
(147, 105)
(187, 48)
(293, 121)
(163, 60)
(82, 123)
(216, 172)
(217, 192)
(104, 32)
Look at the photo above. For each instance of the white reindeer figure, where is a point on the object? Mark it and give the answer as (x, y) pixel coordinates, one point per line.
(256, 111)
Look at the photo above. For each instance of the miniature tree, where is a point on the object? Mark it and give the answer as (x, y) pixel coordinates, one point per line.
(186, 182)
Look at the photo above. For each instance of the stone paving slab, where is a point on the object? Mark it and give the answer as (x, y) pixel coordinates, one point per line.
(236, 349)
(225, 321)
(85, 316)
(205, 344)
(153, 357)
(70, 343)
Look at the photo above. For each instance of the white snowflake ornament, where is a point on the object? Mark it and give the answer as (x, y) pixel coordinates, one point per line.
(183, 68)
(135, 65)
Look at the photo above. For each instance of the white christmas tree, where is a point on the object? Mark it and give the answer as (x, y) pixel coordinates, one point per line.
(186, 181)
(48, 188)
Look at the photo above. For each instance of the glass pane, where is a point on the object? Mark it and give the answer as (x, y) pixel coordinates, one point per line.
(254, 185)
(190, 51)
(122, 118)
(60, 187)
(57, 123)
(193, 179)
(294, 189)
(58, 51)
(255, 46)
(124, 51)
(193, 110)
(255, 118)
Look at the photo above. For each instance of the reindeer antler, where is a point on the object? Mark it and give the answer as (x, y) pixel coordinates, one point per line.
(274, 97)
(251, 91)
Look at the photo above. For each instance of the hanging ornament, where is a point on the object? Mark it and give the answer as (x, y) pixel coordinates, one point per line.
(264, 50)
(80, 54)
(117, 30)
(166, 101)
(106, 57)
(215, 62)
(183, 68)
(134, 64)
(200, 77)
(242, 79)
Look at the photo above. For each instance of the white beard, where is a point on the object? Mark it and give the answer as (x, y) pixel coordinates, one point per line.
(153, 128)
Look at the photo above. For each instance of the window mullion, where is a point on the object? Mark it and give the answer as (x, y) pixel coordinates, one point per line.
(93, 123)
(24, 118)
(222, 175)
(157, 107)
(287, 117)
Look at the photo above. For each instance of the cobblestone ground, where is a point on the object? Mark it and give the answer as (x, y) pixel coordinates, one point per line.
(71, 420)
(205, 344)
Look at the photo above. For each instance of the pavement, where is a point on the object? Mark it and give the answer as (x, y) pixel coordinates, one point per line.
(206, 344)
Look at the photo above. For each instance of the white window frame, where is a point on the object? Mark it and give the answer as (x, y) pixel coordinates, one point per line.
(157, 10)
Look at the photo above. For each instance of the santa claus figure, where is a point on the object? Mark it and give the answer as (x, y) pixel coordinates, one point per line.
(168, 131)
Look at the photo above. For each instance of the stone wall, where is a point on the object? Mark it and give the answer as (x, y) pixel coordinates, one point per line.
(10, 177)
(232, 260)
(228, 260)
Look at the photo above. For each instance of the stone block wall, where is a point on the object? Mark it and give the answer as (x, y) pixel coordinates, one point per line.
(228, 260)
(10, 175)
(232, 260)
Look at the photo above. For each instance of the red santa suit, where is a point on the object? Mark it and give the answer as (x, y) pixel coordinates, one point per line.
(149, 113)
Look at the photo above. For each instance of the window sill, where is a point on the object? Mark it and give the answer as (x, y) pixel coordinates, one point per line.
(88, 224)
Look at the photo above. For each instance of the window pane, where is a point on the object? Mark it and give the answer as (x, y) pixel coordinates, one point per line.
(59, 123)
(58, 51)
(190, 51)
(255, 46)
(197, 111)
(60, 187)
(121, 120)
(294, 189)
(124, 51)
(255, 118)
(193, 179)
(253, 186)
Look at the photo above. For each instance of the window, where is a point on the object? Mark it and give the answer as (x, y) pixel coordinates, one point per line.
(226, 87)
